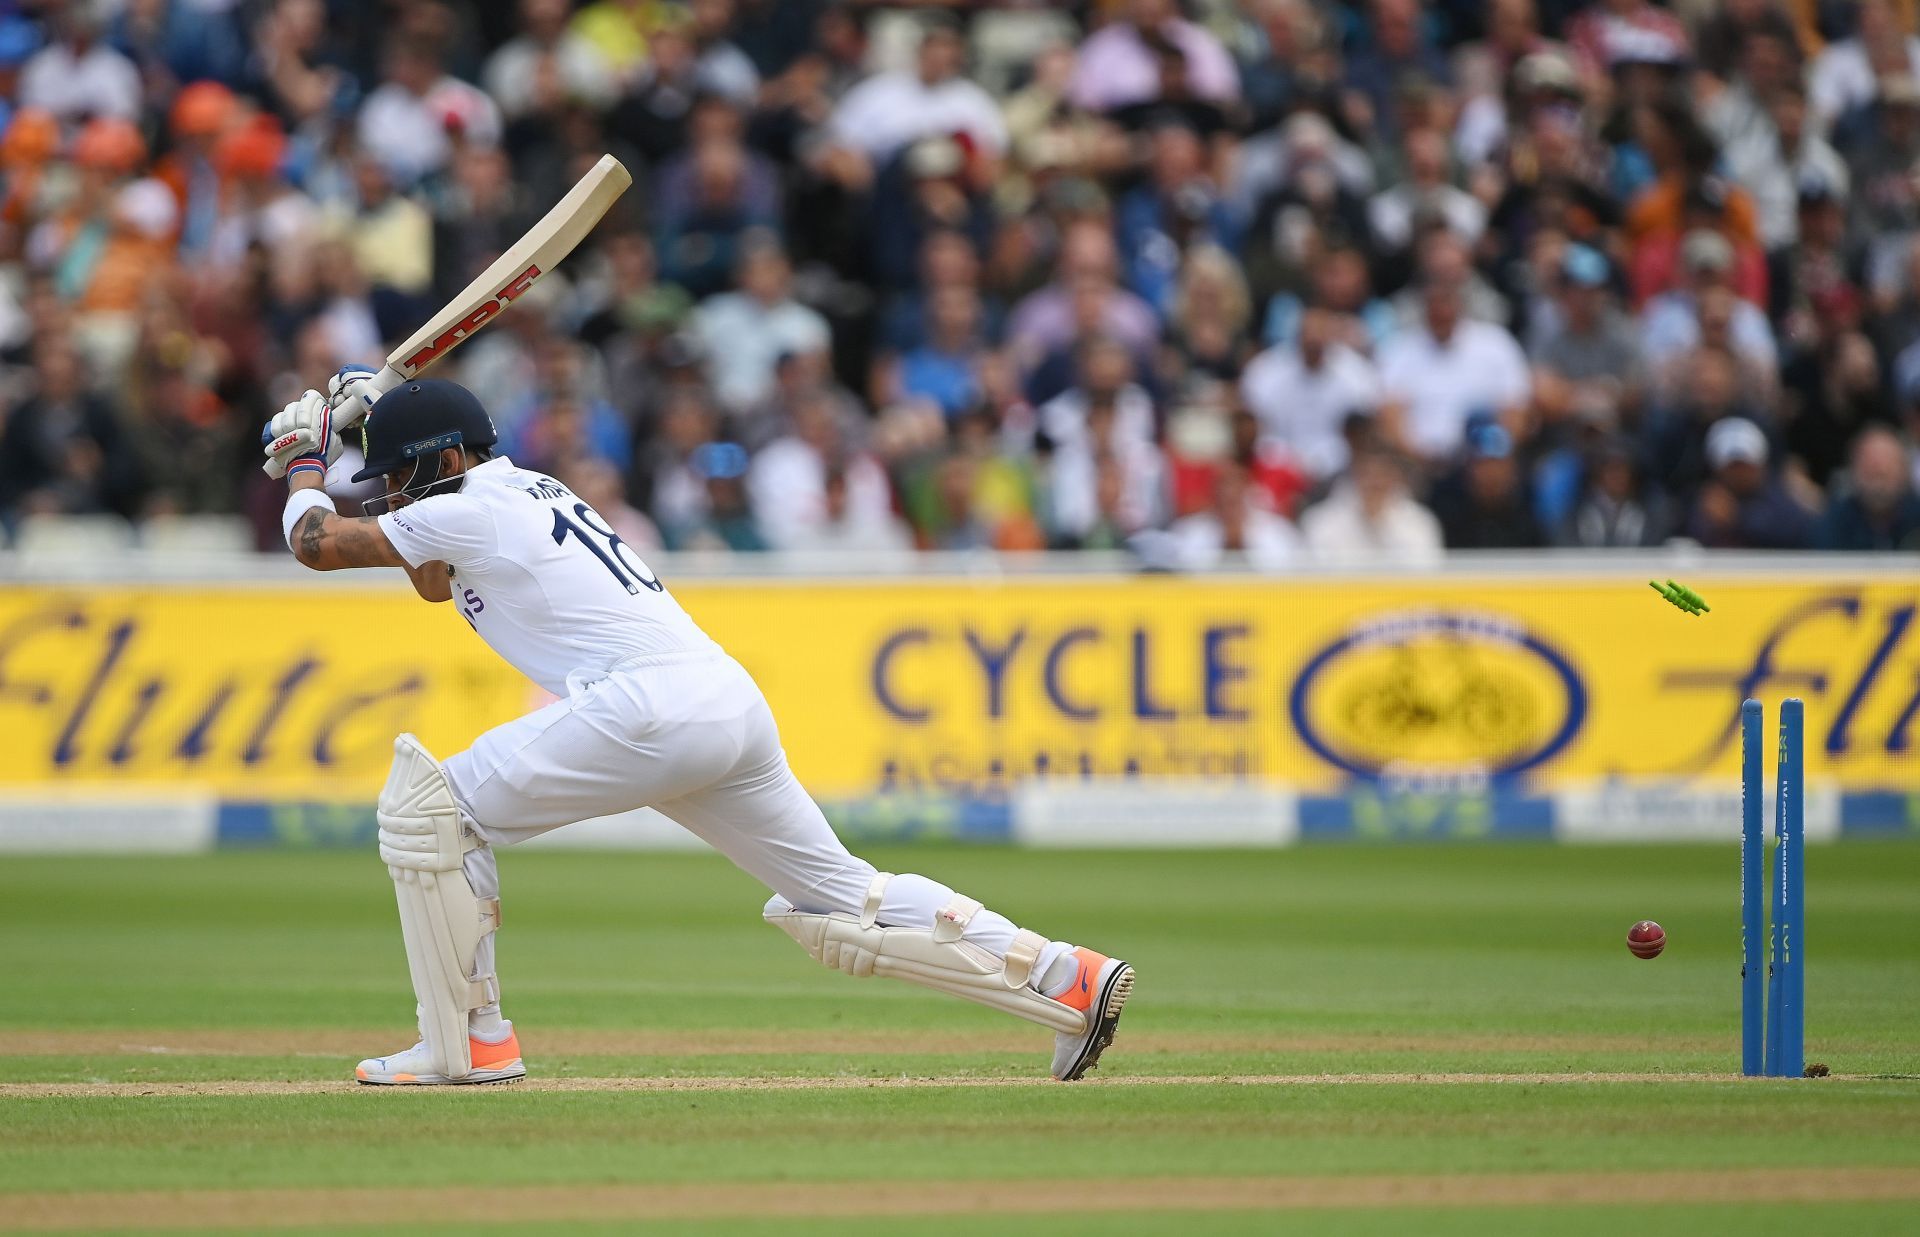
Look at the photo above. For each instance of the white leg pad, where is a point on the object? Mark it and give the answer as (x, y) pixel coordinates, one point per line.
(936, 958)
(441, 919)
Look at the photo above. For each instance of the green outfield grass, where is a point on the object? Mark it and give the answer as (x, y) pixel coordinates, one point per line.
(236, 989)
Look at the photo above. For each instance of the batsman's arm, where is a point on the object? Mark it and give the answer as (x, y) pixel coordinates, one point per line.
(327, 541)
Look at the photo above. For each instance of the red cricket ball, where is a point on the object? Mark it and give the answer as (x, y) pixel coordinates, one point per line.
(1646, 939)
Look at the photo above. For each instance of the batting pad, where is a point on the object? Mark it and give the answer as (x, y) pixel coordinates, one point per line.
(441, 920)
(935, 957)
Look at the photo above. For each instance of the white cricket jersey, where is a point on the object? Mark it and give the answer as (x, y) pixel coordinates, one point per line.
(542, 578)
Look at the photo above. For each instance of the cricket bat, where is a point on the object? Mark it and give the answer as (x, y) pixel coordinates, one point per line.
(501, 284)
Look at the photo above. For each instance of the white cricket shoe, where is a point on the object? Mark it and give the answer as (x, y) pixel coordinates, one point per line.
(414, 1068)
(1099, 990)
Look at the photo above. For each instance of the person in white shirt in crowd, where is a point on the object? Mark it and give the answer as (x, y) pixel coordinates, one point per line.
(787, 482)
(1369, 517)
(1235, 529)
(1427, 190)
(1104, 454)
(1105, 380)
(890, 111)
(1303, 392)
(1438, 372)
(546, 56)
(843, 530)
(76, 75)
(405, 122)
(745, 333)
(1670, 322)
(1846, 74)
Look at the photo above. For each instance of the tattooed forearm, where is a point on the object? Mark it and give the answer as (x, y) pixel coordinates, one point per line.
(312, 529)
(326, 542)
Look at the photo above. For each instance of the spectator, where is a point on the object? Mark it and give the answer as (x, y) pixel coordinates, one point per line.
(76, 76)
(1370, 517)
(546, 58)
(1618, 509)
(1878, 509)
(1886, 201)
(1425, 193)
(1588, 363)
(406, 124)
(1208, 325)
(1177, 208)
(787, 480)
(1302, 393)
(1397, 52)
(1484, 505)
(64, 450)
(1122, 64)
(1847, 75)
(712, 207)
(1613, 33)
(1435, 374)
(745, 332)
(1741, 506)
(890, 111)
(1670, 323)
(1834, 388)
(727, 522)
(943, 371)
(1104, 381)
(1045, 320)
(1104, 484)
(1236, 529)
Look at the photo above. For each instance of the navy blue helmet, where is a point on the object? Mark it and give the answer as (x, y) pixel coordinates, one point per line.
(411, 425)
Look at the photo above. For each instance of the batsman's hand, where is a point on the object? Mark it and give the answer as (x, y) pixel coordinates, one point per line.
(301, 430)
(350, 394)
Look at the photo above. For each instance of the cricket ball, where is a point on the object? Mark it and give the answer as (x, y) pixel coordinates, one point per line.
(1646, 939)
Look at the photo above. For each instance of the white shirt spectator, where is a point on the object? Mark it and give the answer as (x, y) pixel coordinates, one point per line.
(787, 485)
(407, 133)
(1390, 213)
(510, 73)
(1073, 487)
(1063, 419)
(889, 111)
(1339, 531)
(744, 338)
(96, 82)
(1199, 541)
(1841, 78)
(1302, 409)
(1440, 385)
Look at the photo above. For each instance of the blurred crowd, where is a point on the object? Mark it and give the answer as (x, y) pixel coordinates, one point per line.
(1272, 281)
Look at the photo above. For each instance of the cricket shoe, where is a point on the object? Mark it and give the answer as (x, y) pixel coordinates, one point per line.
(414, 1068)
(1099, 990)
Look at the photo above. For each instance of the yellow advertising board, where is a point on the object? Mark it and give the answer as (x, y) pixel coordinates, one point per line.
(968, 687)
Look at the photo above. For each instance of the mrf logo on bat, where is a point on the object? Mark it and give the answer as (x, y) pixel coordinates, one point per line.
(482, 314)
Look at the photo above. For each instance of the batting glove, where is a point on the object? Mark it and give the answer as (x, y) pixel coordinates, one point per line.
(350, 394)
(301, 438)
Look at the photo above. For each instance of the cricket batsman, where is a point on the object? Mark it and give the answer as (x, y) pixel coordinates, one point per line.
(651, 712)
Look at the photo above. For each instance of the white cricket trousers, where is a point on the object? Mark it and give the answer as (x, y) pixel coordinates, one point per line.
(690, 736)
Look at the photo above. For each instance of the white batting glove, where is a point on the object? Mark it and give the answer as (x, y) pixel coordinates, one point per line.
(301, 438)
(350, 394)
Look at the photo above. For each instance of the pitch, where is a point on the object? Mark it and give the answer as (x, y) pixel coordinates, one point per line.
(1335, 1040)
